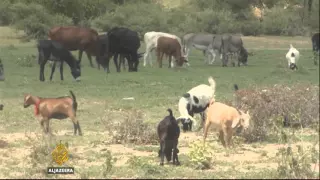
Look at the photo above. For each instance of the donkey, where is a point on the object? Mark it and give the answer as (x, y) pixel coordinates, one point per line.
(46, 48)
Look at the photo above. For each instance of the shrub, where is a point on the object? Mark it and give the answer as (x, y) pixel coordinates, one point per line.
(297, 165)
(26, 61)
(128, 127)
(108, 164)
(268, 106)
(34, 20)
(200, 156)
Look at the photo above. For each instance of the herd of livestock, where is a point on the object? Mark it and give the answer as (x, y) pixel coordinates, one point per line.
(125, 43)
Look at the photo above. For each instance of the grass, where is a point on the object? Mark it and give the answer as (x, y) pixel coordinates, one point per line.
(100, 94)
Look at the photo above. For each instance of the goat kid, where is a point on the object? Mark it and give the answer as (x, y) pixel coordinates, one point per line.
(194, 101)
(169, 132)
(54, 108)
(226, 120)
(48, 49)
(293, 57)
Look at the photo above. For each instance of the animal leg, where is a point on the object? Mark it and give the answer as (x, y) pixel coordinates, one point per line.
(90, 60)
(53, 68)
(146, 56)
(43, 126)
(160, 60)
(115, 59)
(221, 137)
(80, 56)
(175, 160)
(47, 126)
(170, 60)
(162, 147)
(206, 128)
(202, 114)
(61, 71)
(227, 134)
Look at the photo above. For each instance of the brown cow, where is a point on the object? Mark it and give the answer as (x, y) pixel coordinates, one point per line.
(170, 47)
(76, 38)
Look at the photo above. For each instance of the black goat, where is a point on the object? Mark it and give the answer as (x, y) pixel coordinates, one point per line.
(48, 48)
(315, 47)
(169, 132)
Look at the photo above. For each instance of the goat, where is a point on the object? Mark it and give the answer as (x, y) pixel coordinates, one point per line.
(46, 48)
(196, 100)
(54, 108)
(225, 119)
(293, 57)
(169, 132)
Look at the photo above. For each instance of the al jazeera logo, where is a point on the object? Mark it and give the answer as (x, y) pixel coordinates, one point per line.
(60, 156)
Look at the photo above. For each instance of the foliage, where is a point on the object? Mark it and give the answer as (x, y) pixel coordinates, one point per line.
(26, 61)
(297, 165)
(109, 163)
(219, 16)
(129, 127)
(200, 155)
(269, 106)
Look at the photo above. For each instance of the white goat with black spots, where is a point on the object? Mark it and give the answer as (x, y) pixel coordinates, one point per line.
(293, 57)
(196, 100)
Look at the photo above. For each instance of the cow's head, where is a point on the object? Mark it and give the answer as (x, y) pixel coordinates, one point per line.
(181, 60)
(76, 71)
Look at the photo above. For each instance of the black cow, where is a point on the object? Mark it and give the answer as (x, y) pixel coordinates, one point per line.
(315, 47)
(125, 42)
(48, 48)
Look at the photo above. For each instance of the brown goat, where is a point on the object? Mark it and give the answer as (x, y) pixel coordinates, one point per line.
(170, 47)
(225, 119)
(54, 108)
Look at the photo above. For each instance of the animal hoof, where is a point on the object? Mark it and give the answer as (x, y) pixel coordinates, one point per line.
(177, 163)
(161, 164)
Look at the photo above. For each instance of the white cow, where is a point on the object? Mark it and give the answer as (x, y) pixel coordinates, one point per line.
(293, 57)
(151, 39)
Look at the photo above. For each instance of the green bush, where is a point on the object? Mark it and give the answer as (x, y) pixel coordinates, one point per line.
(200, 155)
(34, 20)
